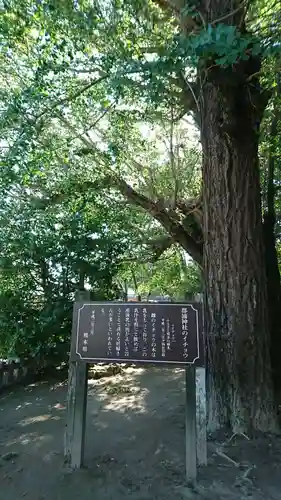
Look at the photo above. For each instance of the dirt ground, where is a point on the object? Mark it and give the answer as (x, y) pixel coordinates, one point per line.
(134, 446)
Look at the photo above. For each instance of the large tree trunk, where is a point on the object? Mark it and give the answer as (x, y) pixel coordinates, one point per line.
(237, 326)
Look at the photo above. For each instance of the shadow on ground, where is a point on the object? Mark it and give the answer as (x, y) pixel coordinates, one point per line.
(134, 446)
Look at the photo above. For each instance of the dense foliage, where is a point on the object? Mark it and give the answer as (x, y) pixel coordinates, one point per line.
(46, 254)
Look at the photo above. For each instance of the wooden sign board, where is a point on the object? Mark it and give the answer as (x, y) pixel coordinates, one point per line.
(138, 332)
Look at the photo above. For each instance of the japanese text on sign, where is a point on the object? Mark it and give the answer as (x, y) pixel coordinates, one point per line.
(148, 333)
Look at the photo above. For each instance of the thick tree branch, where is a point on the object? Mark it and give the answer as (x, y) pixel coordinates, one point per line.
(174, 228)
(186, 230)
(160, 245)
(192, 206)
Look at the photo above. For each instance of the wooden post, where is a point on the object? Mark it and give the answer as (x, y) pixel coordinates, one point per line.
(76, 408)
(201, 409)
(201, 416)
(190, 426)
(76, 414)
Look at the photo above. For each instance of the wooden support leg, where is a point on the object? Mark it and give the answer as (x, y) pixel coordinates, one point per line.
(76, 414)
(201, 416)
(190, 426)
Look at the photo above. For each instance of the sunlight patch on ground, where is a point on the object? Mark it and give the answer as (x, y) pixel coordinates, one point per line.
(30, 438)
(130, 374)
(135, 371)
(121, 393)
(99, 425)
(59, 406)
(26, 403)
(38, 418)
(125, 402)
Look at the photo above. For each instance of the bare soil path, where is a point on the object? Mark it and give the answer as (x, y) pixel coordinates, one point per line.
(134, 446)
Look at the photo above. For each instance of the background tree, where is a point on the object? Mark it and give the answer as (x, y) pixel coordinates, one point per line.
(270, 179)
(170, 275)
(47, 254)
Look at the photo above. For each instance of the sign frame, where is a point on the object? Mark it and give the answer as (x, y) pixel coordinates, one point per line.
(195, 306)
(195, 392)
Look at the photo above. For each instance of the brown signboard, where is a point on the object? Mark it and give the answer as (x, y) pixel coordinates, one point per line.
(155, 333)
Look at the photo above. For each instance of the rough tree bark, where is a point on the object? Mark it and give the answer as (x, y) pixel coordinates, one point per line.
(239, 372)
